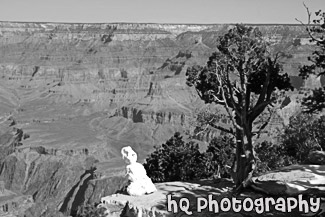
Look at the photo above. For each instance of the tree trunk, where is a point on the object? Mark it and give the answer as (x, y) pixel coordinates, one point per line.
(245, 158)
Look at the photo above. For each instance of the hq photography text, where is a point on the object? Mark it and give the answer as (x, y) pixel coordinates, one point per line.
(258, 205)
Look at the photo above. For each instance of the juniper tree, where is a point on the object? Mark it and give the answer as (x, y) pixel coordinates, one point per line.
(243, 77)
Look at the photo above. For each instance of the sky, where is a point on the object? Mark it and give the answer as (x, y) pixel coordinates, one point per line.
(158, 11)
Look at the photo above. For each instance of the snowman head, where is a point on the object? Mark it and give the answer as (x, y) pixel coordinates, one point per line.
(128, 155)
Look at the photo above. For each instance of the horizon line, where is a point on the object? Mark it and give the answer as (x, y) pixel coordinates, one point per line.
(162, 23)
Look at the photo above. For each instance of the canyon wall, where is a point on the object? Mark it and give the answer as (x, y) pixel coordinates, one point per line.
(72, 95)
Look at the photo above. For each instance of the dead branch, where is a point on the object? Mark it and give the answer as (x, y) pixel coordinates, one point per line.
(308, 24)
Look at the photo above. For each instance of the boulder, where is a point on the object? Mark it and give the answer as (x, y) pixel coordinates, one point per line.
(317, 157)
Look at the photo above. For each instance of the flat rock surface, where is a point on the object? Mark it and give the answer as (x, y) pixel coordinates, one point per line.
(289, 181)
(157, 201)
(293, 180)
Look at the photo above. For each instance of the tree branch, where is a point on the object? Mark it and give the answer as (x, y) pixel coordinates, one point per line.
(218, 127)
(258, 109)
(231, 94)
(259, 131)
(308, 24)
(211, 123)
(262, 102)
(225, 102)
(265, 85)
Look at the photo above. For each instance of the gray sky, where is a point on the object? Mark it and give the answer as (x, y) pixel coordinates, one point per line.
(158, 11)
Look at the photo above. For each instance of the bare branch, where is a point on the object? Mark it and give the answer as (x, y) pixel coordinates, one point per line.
(308, 24)
(211, 124)
(231, 115)
(217, 99)
(218, 127)
(225, 102)
(231, 94)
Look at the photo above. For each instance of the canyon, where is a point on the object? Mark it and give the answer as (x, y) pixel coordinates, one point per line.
(72, 95)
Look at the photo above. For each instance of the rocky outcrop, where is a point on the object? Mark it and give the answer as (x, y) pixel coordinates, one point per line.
(86, 190)
(44, 177)
(153, 118)
(48, 183)
(11, 202)
(9, 140)
(100, 187)
(15, 205)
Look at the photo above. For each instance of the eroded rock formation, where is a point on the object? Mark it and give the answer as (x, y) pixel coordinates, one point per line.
(72, 95)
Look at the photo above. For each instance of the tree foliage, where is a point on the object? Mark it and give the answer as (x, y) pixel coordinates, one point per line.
(221, 155)
(243, 77)
(179, 161)
(91, 210)
(176, 160)
(304, 133)
(271, 156)
(315, 102)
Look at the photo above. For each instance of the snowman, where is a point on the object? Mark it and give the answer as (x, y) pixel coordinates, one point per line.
(139, 182)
